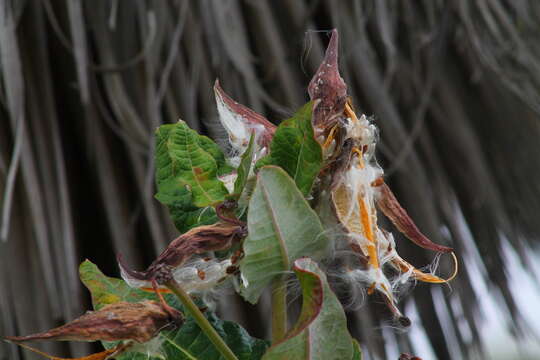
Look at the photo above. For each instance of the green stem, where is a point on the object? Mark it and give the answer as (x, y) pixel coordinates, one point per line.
(279, 309)
(203, 323)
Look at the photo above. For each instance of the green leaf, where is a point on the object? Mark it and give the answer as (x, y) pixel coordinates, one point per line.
(321, 330)
(188, 342)
(187, 167)
(282, 227)
(187, 160)
(357, 354)
(265, 160)
(295, 149)
(245, 167)
(107, 290)
(184, 213)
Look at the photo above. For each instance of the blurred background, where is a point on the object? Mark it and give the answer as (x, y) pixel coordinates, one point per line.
(454, 87)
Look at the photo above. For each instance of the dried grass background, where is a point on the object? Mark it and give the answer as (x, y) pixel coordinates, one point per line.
(454, 87)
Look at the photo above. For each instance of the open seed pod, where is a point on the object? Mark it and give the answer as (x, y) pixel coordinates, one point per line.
(240, 122)
(198, 240)
(357, 188)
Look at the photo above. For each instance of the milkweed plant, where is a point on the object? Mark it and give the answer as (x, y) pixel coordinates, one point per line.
(287, 204)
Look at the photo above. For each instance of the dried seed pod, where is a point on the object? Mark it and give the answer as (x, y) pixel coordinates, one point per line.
(103, 355)
(328, 86)
(198, 240)
(120, 321)
(240, 122)
(405, 356)
(389, 205)
(195, 276)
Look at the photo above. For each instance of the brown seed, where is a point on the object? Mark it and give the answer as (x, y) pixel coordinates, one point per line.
(201, 274)
(356, 248)
(238, 254)
(377, 182)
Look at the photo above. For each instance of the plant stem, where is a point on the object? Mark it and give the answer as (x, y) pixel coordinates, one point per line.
(279, 309)
(203, 322)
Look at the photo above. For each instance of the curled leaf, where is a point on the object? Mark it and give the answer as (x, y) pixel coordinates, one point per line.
(321, 329)
(198, 240)
(240, 122)
(328, 86)
(389, 205)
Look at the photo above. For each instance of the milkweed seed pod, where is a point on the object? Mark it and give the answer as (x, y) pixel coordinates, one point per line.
(328, 89)
(130, 323)
(139, 322)
(355, 187)
(196, 276)
(240, 122)
(198, 240)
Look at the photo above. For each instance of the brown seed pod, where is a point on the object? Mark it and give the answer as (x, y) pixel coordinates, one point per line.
(120, 321)
(198, 240)
(405, 356)
(328, 86)
(250, 118)
(390, 207)
(103, 355)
